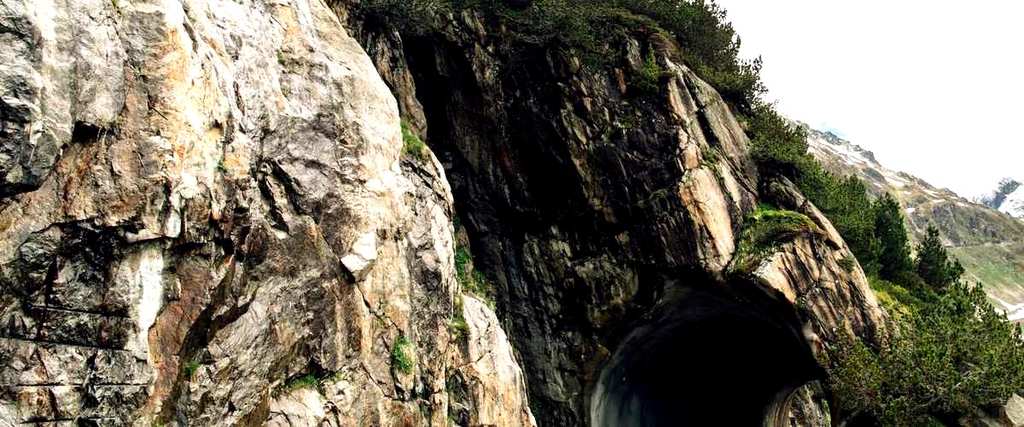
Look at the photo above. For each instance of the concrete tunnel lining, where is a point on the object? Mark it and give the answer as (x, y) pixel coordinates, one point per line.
(704, 357)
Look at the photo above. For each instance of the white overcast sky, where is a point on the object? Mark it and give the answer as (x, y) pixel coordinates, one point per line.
(933, 87)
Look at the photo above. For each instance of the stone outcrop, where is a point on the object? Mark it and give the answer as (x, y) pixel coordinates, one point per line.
(602, 213)
(208, 216)
(207, 220)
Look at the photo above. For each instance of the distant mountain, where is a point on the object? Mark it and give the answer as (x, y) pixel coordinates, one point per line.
(988, 242)
(1008, 198)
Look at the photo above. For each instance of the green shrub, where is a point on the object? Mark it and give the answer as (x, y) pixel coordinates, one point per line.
(402, 355)
(848, 264)
(896, 299)
(856, 374)
(933, 263)
(470, 279)
(778, 147)
(708, 42)
(846, 203)
(457, 327)
(767, 226)
(412, 145)
(894, 244)
(710, 156)
(949, 357)
(304, 381)
(190, 368)
(647, 80)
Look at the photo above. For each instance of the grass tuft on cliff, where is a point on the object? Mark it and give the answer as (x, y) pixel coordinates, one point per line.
(401, 355)
(470, 279)
(647, 80)
(763, 230)
(305, 381)
(412, 145)
(458, 327)
(190, 368)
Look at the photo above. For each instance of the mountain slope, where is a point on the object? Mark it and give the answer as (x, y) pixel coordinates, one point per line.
(988, 242)
(1008, 198)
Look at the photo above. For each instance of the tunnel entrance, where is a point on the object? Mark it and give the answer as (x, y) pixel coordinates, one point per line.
(704, 358)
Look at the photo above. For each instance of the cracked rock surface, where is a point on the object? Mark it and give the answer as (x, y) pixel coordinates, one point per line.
(206, 219)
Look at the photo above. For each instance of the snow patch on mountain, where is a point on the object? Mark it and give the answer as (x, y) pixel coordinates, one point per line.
(1008, 198)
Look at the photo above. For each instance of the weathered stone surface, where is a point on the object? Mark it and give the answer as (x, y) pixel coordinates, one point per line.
(1009, 415)
(204, 205)
(61, 80)
(807, 408)
(809, 273)
(488, 382)
(592, 207)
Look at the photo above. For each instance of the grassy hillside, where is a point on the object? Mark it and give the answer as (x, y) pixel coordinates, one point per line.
(999, 266)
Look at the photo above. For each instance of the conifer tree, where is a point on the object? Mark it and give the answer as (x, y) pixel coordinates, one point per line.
(894, 252)
(933, 263)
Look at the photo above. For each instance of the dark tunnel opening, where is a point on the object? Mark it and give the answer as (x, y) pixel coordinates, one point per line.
(705, 358)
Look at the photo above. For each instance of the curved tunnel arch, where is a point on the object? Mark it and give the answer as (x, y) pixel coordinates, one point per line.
(705, 357)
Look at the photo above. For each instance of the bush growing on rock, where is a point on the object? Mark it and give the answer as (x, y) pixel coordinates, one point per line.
(401, 355)
(951, 353)
(894, 252)
(470, 279)
(708, 42)
(647, 80)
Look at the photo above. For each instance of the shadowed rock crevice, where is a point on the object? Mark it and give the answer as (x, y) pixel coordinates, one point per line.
(703, 358)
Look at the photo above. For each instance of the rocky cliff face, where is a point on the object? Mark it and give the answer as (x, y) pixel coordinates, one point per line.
(206, 221)
(208, 218)
(608, 221)
(989, 243)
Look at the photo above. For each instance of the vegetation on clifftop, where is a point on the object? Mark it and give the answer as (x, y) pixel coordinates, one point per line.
(594, 28)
